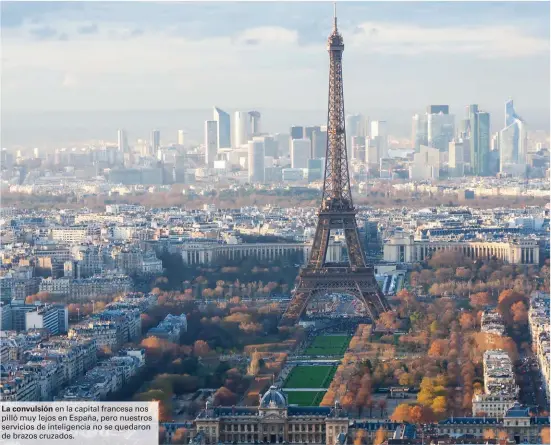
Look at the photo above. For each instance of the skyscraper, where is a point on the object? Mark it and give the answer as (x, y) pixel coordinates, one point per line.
(441, 129)
(437, 109)
(297, 132)
(478, 133)
(319, 143)
(379, 133)
(122, 141)
(300, 153)
(223, 128)
(512, 143)
(354, 127)
(155, 143)
(358, 148)
(211, 142)
(256, 155)
(254, 119)
(270, 146)
(419, 131)
(456, 160)
(242, 128)
(182, 137)
(309, 134)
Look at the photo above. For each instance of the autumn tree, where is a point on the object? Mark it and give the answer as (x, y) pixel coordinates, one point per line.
(544, 434)
(179, 436)
(489, 434)
(480, 300)
(467, 321)
(519, 312)
(380, 436)
(439, 405)
(437, 348)
(224, 397)
(401, 413)
(360, 438)
(201, 348)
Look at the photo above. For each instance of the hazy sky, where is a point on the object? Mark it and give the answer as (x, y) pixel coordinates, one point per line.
(142, 55)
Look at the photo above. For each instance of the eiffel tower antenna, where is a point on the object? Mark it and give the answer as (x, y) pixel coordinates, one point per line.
(337, 212)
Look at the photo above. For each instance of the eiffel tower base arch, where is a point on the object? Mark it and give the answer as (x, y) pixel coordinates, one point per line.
(358, 282)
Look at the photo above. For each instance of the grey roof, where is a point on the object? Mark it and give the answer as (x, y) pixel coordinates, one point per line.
(274, 398)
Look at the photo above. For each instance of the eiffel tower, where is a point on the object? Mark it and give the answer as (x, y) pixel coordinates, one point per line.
(337, 212)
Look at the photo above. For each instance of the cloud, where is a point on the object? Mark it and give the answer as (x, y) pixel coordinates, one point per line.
(43, 33)
(492, 41)
(88, 29)
(267, 35)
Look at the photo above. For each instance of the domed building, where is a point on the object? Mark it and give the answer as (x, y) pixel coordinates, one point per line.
(272, 421)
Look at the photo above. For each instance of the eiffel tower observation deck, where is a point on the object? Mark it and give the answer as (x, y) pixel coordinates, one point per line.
(337, 212)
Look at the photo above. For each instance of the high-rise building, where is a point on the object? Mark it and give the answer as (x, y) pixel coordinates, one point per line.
(319, 143)
(315, 169)
(155, 143)
(379, 132)
(182, 136)
(358, 148)
(419, 131)
(309, 134)
(36, 153)
(456, 163)
(437, 109)
(297, 132)
(256, 155)
(354, 127)
(271, 146)
(242, 128)
(478, 133)
(223, 128)
(254, 119)
(122, 141)
(300, 153)
(283, 144)
(211, 142)
(441, 129)
(372, 153)
(426, 164)
(513, 143)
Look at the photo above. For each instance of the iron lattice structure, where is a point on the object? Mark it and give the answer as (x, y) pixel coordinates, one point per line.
(336, 212)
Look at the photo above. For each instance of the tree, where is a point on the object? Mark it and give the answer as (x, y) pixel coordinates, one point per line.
(179, 436)
(421, 414)
(519, 312)
(382, 405)
(544, 434)
(439, 405)
(480, 299)
(360, 437)
(406, 379)
(467, 321)
(224, 397)
(401, 413)
(201, 348)
(380, 436)
(463, 273)
(437, 348)
(444, 275)
(489, 434)
(447, 258)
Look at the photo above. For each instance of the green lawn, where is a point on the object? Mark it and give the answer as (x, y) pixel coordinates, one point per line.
(310, 377)
(328, 345)
(305, 398)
